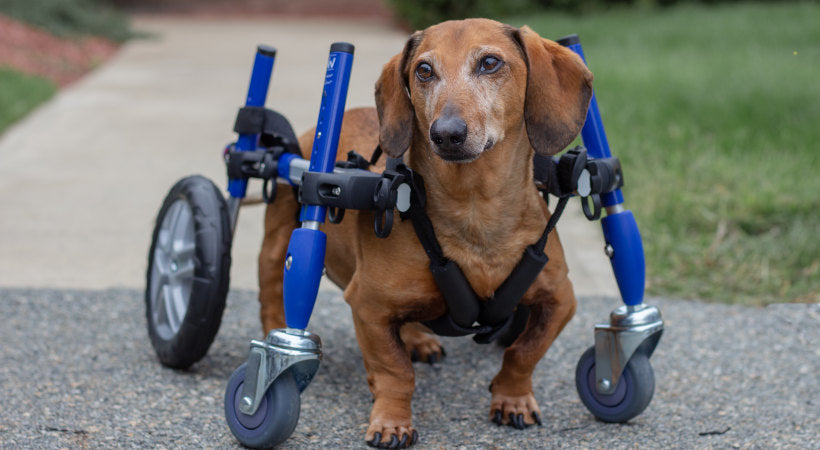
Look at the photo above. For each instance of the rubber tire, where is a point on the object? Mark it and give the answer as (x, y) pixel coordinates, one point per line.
(206, 303)
(276, 417)
(631, 397)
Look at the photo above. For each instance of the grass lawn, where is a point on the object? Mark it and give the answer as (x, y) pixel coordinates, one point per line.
(714, 112)
(19, 94)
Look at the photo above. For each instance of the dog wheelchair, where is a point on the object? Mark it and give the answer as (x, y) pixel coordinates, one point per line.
(189, 258)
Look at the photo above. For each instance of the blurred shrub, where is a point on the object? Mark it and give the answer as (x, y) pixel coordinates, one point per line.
(420, 14)
(71, 17)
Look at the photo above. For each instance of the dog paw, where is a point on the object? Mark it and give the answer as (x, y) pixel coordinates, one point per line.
(392, 437)
(421, 345)
(430, 355)
(516, 411)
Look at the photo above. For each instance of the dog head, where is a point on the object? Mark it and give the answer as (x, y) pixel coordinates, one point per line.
(468, 84)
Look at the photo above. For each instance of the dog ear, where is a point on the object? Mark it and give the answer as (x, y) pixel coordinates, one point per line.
(393, 102)
(559, 87)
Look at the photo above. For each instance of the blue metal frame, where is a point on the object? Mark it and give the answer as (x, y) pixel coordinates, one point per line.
(257, 94)
(306, 250)
(620, 229)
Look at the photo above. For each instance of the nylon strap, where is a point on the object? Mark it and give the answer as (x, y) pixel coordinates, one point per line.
(464, 307)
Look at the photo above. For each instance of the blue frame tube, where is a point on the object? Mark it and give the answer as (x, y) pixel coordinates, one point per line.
(620, 229)
(306, 250)
(329, 126)
(593, 133)
(257, 93)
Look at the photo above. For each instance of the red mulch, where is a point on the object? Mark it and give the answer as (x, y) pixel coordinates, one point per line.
(34, 51)
(37, 52)
(373, 9)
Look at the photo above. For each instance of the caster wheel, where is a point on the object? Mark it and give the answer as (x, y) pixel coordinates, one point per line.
(632, 394)
(188, 272)
(276, 417)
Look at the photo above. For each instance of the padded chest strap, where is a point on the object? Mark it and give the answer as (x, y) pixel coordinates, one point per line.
(466, 313)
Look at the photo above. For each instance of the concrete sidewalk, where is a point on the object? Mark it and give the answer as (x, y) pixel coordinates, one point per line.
(82, 179)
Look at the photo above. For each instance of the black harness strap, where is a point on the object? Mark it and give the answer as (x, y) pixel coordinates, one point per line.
(273, 127)
(506, 298)
(462, 302)
(466, 313)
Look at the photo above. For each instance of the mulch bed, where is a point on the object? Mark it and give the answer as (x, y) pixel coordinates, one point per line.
(37, 52)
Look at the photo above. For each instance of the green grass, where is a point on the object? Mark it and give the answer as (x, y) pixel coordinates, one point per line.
(19, 94)
(71, 18)
(715, 115)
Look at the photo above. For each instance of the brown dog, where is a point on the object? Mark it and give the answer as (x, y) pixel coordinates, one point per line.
(466, 104)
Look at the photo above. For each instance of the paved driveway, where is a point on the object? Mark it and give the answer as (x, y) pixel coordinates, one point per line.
(77, 370)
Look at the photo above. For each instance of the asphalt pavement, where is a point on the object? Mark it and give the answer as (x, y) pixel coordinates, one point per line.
(77, 370)
(82, 178)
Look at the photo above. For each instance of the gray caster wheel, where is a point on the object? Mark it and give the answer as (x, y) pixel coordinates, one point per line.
(188, 270)
(632, 394)
(276, 417)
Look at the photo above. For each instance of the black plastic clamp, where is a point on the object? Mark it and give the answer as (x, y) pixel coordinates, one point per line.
(574, 173)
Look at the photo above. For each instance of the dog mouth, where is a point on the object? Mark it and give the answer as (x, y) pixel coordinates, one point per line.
(463, 156)
(457, 157)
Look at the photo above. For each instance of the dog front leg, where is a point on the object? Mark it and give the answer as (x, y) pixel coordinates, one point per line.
(390, 377)
(280, 220)
(513, 402)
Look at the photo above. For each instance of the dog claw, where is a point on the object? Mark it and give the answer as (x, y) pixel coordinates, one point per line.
(406, 440)
(394, 442)
(377, 438)
(414, 355)
(537, 418)
(517, 421)
(497, 418)
(433, 358)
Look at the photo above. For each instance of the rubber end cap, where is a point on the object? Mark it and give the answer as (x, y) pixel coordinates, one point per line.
(266, 50)
(342, 47)
(572, 39)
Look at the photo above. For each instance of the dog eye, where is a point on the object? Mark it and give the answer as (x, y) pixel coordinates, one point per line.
(490, 64)
(424, 72)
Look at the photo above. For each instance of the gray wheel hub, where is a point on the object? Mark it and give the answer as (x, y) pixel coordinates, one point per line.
(172, 273)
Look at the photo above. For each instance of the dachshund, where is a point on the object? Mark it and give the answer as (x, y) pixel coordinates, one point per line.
(466, 104)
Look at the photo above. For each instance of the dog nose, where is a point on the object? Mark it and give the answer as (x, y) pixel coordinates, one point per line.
(448, 133)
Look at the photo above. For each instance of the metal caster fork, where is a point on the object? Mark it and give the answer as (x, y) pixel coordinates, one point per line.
(298, 351)
(629, 328)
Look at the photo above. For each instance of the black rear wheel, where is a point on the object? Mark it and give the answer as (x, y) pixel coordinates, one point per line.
(188, 272)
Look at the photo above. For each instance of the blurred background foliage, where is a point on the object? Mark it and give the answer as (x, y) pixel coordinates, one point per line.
(420, 14)
(71, 18)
